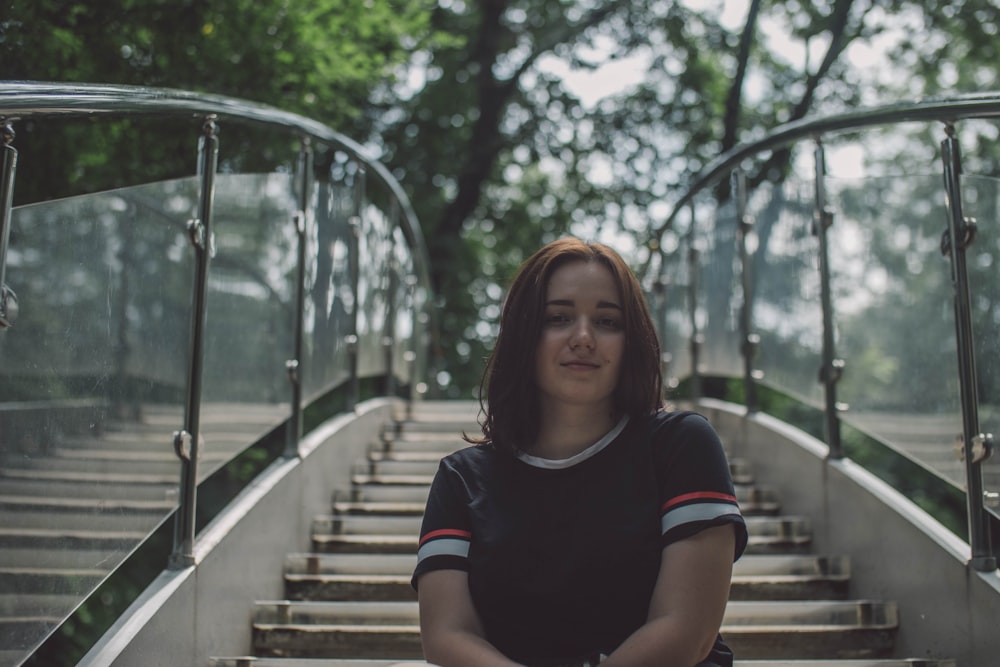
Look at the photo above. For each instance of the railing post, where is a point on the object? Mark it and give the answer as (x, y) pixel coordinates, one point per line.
(696, 337)
(8, 167)
(304, 168)
(410, 355)
(750, 340)
(354, 259)
(832, 368)
(977, 446)
(389, 337)
(187, 442)
(659, 298)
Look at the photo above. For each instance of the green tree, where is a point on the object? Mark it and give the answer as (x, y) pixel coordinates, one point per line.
(501, 151)
(320, 58)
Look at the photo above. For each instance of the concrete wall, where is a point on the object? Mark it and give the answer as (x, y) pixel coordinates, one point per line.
(897, 551)
(189, 615)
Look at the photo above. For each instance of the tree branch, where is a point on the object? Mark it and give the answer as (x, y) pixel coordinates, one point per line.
(735, 96)
(839, 39)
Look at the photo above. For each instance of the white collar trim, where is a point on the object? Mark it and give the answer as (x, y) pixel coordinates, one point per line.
(557, 464)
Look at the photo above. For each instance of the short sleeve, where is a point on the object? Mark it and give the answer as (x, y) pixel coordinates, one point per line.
(695, 484)
(446, 533)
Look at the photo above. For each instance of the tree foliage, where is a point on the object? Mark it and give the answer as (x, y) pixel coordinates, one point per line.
(484, 109)
(320, 58)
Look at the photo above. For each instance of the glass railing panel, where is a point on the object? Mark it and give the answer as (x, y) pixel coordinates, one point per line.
(981, 196)
(895, 324)
(92, 382)
(330, 299)
(251, 312)
(720, 298)
(786, 306)
(375, 249)
(405, 334)
(667, 291)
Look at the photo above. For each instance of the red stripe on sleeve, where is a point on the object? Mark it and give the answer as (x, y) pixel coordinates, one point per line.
(450, 532)
(699, 495)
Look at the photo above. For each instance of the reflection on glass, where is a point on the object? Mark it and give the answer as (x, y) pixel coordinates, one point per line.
(329, 293)
(375, 245)
(92, 379)
(786, 306)
(896, 328)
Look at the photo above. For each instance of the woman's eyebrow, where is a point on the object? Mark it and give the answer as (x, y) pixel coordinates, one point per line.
(570, 302)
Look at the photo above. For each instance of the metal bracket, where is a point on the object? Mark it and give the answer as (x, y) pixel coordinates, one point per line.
(824, 221)
(292, 367)
(991, 499)
(182, 445)
(8, 307)
(832, 372)
(196, 232)
(750, 346)
(969, 230)
(982, 447)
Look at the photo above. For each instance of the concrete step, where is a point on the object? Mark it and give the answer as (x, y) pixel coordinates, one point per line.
(38, 605)
(63, 581)
(112, 462)
(84, 504)
(80, 489)
(59, 559)
(410, 499)
(62, 519)
(105, 478)
(387, 577)
(45, 538)
(748, 566)
(781, 528)
(389, 630)
(753, 500)
(254, 661)
(23, 632)
(407, 544)
(408, 464)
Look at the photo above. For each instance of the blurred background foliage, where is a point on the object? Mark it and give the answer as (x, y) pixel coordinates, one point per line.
(508, 122)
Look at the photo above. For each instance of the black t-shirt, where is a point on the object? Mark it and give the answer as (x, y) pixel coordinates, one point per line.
(563, 555)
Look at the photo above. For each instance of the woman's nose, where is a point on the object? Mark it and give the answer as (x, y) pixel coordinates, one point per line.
(581, 335)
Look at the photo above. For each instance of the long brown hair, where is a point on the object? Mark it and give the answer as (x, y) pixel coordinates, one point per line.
(508, 393)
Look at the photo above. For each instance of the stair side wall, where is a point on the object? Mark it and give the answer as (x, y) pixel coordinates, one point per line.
(187, 616)
(897, 551)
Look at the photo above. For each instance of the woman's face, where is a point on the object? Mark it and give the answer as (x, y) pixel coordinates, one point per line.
(579, 354)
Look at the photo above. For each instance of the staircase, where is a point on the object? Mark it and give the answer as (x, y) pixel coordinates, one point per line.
(78, 492)
(348, 601)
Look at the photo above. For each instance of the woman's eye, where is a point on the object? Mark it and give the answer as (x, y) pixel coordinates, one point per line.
(556, 318)
(609, 323)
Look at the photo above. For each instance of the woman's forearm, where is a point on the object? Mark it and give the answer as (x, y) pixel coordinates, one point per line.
(661, 642)
(463, 649)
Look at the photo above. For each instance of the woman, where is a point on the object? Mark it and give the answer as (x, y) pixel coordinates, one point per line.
(587, 524)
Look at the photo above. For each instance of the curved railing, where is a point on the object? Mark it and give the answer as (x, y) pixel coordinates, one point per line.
(164, 340)
(871, 298)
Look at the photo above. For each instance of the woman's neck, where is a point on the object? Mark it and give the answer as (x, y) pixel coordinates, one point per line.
(565, 433)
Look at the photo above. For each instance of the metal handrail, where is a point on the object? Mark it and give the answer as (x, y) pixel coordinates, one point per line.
(30, 99)
(39, 100)
(946, 110)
